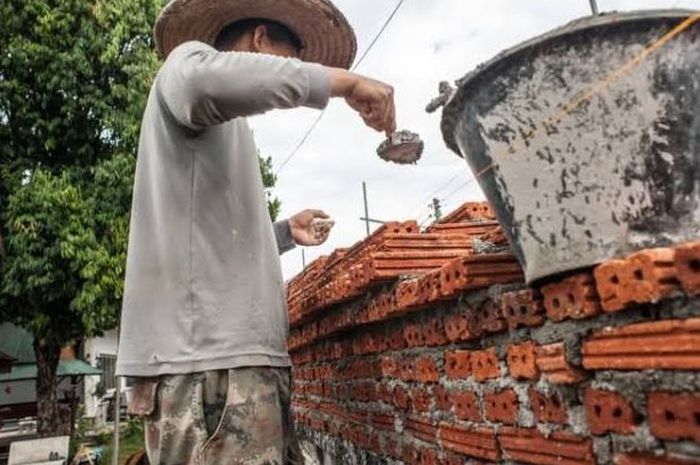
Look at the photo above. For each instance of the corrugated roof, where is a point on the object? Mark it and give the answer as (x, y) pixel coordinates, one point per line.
(26, 371)
(17, 342)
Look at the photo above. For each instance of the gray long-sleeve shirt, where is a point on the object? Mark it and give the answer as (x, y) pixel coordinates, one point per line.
(204, 287)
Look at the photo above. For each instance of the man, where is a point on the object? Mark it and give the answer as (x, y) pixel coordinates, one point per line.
(204, 320)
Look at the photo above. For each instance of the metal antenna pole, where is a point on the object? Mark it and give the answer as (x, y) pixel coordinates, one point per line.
(364, 193)
(594, 7)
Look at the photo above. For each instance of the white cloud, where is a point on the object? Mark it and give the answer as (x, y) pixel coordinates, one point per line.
(427, 42)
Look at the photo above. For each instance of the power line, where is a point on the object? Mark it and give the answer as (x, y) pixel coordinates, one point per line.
(437, 191)
(308, 133)
(379, 34)
(462, 186)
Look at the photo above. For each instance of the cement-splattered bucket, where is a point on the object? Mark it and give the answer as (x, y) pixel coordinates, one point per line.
(585, 153)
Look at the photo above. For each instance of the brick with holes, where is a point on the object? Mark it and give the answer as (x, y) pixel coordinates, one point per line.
(458, 364)
(687, 266)
(415, 336)
(609, 412)
(548, 408)
(487, 318)
(442, 398)
(501, 406)
(575, 297)
(457, 327)
(610, 278)
(674, 415)
(485, 364)
(654, 275)
(426, 370)
(434, 331)
(421, 399)
(401, 399)
(466, 406)
(522, 361)
(522, 308)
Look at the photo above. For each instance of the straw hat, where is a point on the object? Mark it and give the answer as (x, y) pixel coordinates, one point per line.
(326, 35)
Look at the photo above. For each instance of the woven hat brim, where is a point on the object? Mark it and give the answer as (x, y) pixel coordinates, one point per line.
(325, 33)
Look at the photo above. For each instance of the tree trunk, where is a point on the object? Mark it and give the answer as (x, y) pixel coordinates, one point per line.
(49, 416)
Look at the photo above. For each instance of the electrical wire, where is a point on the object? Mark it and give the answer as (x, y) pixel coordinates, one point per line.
(311, 129)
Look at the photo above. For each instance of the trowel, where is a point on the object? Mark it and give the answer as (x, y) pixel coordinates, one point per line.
(402, 147)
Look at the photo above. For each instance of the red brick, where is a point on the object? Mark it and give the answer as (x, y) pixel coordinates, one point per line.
(547, 408)
(402, 401)
(442, 398)
(661, 345)
(551, 361)
(487, 318)
(421, 428)
(397, 341)
(406, 295)
(530, 446)
(426, 370)
(452, 277)
(434, 332)
(485, 364)
(522, 309)
(458, 364)
(654, 275)
(415, 336)
(674, 415)
(687, 266)
(609, 412)
(466, 406)
(384, 421)
(501, 406)
(450, 458)
(610, 278)
(421, 399)
(385, 393)
(457, 327)
(522, 361)
(646, 276)
(648, 459)
(575, 297)
(479, 443)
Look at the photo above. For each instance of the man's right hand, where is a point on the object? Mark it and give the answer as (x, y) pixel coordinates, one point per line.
(372, 99)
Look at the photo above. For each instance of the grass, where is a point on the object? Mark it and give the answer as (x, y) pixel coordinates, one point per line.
(128, 444)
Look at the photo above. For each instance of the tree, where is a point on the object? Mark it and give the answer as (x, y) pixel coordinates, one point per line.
(74, 77)
(269, 180)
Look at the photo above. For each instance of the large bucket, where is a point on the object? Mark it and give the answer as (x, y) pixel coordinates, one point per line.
(586, 140)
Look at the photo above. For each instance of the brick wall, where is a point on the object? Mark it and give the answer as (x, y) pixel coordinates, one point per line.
(427, 348)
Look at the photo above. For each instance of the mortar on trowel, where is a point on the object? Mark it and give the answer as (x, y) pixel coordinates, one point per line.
(401, 147)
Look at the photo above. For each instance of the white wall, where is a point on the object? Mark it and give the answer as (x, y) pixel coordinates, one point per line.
(106, 345)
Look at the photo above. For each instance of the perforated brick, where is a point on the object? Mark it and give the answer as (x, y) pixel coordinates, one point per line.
(608, 411)
(521, 361)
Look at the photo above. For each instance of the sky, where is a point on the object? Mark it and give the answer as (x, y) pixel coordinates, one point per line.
(428, 41)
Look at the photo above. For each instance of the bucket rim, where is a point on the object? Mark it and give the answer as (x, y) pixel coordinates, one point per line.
(453, 108)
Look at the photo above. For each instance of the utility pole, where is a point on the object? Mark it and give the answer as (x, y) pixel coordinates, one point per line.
(364, 194)
(594, 7)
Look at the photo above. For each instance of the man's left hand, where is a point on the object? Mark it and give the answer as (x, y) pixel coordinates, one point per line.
(310, 227)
